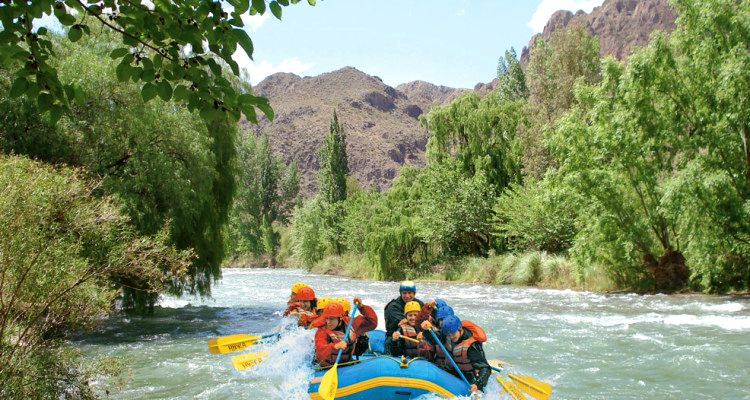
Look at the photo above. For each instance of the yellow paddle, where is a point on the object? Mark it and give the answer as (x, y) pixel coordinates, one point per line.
(330, 383)
(511, 388)
(232, 343)
(530, 385)
(534, 387)
(245, 361)
(409, 339)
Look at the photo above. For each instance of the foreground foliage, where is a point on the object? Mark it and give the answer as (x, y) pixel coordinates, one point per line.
(170, 170)
(61, 249)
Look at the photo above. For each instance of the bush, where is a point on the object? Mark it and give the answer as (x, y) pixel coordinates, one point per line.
(61, 249)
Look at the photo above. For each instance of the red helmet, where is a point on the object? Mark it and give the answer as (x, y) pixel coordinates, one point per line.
(306, 293)
(333, 310)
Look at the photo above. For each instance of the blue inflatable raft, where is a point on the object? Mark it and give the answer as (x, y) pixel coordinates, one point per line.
(376, 376)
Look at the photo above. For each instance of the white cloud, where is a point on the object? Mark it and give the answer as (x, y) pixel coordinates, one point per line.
(257, 71)
(548, 7)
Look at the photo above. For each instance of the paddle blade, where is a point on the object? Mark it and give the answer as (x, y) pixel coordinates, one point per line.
(511, 388)
(330, 384)
(534, 387)
(231, 343)
(500, 364)
(245, 361)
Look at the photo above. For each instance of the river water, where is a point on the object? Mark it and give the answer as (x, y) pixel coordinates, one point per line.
(586, 345)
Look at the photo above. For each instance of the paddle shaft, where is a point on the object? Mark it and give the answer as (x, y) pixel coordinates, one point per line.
(449, 357)
(346, 334)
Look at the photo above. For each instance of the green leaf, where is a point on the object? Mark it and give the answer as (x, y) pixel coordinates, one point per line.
(19, 87)
(70, 92)
(249, 112)
(148, 74)
(165, 90)
(41, 31)
(264, 106)
(80, 96)
(241, 6)
(311, 2)
(284, 2)
(275, 9)
(123, 72)
(148, 91)
(158, 61)
(75, 33)
(259, 6)
(55, 114)
(119, 52)
(67, 19)
(180, 93)
(44, 102)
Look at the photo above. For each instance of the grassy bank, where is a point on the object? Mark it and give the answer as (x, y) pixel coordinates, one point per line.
(537, 269)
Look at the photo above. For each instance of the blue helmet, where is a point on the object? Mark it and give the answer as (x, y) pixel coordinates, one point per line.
(440, 303)
(444, 312)
(450, 325)
(408, 286)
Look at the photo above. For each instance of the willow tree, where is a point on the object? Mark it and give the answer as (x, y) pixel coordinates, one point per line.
(481, 134)
(168, 168)
(658, 149)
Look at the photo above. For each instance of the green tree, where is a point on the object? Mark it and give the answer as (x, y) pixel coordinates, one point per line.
(334, 168)
(164, 162)
(334, 164)
(61, 249)
(511, 80)
(659, 150)
(480, 134)
(265, 197)
(170, 49)
(570, 56)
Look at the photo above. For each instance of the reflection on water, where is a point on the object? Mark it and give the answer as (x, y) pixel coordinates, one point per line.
(587, 345)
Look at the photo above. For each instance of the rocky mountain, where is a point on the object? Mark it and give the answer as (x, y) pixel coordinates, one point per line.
(382, 122)
(621, 25)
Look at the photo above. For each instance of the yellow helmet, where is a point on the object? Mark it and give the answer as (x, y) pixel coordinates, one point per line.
(322, 302)
(412, 306)
(297, 286)
(344, 303)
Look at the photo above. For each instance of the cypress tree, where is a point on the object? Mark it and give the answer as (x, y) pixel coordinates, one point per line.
(334, 164)
(332, 180)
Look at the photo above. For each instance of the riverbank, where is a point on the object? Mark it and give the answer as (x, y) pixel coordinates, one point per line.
(533, 269)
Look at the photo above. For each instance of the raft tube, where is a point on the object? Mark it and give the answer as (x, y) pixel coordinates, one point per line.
(390, 378)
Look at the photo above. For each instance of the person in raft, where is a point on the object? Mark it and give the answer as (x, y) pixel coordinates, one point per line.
(394, 310)
(292, 304)
(437, 356)
(466, 350)
(429, 311)
(407, 340)
(329, 338)
(307, 305)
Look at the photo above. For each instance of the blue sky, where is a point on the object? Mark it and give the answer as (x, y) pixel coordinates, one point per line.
(454, 43)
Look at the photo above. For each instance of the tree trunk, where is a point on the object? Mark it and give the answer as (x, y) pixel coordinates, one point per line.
(670, 272)
(746, 149)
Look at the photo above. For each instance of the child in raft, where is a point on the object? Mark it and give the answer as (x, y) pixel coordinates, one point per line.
(407, 340)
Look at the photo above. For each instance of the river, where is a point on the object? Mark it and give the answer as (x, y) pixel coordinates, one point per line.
(586, 345)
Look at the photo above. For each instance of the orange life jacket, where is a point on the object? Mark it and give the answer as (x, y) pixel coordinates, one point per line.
(335, 337)
(411, 349)
(476, 331)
